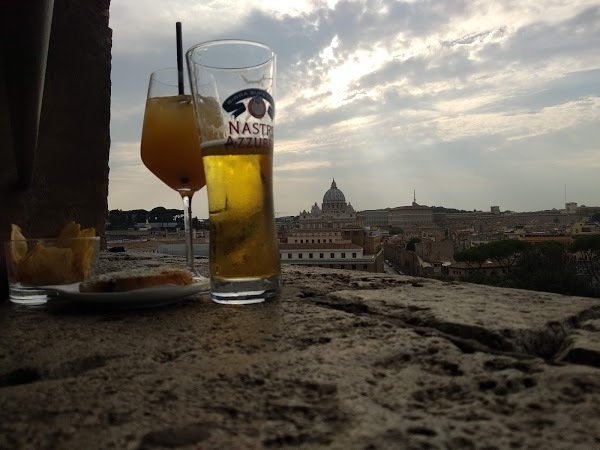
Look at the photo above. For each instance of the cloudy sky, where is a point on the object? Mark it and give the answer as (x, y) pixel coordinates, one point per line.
(471, 103)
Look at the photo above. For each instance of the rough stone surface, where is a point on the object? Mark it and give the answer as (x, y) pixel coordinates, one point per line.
(70, 180)
(344, 360)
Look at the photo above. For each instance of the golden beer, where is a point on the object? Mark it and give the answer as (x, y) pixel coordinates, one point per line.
(170, 146)
(233, 86)
(243, 238)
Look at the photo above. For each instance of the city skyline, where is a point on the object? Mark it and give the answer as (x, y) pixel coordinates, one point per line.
(472, 105)
(319, 203)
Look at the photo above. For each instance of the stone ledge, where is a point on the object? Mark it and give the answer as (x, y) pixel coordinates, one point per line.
(343, 360)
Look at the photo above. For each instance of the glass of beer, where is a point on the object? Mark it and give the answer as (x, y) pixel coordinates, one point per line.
(170, 146)
(233, 89)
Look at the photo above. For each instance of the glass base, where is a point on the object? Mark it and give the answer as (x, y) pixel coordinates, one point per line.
(26, 295)
(198, 278)
(244, 291)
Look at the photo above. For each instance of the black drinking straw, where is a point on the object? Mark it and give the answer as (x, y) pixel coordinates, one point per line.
(179, 58)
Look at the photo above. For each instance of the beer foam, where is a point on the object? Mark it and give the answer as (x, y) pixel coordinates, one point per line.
(210, 144)
(221, 147)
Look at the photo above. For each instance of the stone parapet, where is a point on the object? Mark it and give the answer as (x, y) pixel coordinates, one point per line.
(344, 360)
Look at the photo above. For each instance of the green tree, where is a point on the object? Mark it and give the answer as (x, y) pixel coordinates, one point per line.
(200, 224)
(474, 257)
(161, 215)
(118, 220)
(587, 252)
(136, 216)
(547, 267)
(505, 252)
(396, 230)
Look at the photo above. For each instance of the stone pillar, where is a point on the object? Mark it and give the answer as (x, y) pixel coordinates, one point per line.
(70, 172)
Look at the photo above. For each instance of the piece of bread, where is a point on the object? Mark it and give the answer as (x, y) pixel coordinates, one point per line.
(131, 279)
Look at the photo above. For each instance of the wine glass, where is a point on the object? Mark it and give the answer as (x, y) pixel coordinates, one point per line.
(170, 146)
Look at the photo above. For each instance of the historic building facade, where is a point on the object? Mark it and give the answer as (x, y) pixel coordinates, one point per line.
(334, 212)
(379, 218)
(408, 217)
(333, 236)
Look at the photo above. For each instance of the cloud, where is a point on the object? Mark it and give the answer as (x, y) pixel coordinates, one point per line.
(302, 165)
(449, 98)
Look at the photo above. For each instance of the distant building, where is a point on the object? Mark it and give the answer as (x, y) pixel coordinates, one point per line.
(336, 256)
(583, 229)
(571, 207)
(158, 226)
(431, 232)
(409, 217)
(408, 261)
(588, 210)
(379, 218)
(332, 236)
(314, 236)
(334, 212)
(432, 251)
(462, 270)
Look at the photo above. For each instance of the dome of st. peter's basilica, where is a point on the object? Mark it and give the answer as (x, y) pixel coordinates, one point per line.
(334, 211)
(334, 194)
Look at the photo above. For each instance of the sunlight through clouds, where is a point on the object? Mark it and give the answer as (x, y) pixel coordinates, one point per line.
(385, 93)
(304, 165)
(521, 125)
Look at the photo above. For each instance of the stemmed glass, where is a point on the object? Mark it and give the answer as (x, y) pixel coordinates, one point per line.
(170, 146)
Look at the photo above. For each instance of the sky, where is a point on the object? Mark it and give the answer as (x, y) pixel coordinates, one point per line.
(467, 103)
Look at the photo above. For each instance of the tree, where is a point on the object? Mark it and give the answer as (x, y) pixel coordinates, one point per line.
(137, 216)
(118, 219)
(506, 252)
(200, 224)
(595, 217)
(396, 230)
(474, 257)
(441, 209)
(546, 267)
(587, 251)
(158, 214)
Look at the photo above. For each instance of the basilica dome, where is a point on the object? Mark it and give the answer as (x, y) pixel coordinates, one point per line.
(334, 212)
(334, 195)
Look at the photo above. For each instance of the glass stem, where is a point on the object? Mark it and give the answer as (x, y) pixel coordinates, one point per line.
(189, 232)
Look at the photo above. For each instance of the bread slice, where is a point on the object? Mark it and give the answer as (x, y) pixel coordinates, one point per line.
(131, 279)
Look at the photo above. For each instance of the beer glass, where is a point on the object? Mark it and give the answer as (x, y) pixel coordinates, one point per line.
(233, 90)
(170, 147)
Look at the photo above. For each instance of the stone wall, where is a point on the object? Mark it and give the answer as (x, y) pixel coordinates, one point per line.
(70, 178)
(343, 360)
(405, 260)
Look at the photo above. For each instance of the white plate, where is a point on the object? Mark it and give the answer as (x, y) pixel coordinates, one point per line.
(139, 298)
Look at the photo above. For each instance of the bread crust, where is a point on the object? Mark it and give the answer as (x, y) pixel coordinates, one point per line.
(131, 279)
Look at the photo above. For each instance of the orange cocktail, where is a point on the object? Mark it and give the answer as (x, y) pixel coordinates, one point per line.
(170, 146)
